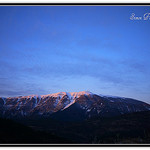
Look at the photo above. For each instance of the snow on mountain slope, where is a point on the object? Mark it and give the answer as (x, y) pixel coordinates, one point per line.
(111, 96)
(69, 94)
(86, 102)
(78, 94)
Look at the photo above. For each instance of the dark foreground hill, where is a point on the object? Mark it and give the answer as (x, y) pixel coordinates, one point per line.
(16, 133)
(126, 129)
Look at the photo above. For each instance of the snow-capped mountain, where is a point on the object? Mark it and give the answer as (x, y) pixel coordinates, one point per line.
(69, 105)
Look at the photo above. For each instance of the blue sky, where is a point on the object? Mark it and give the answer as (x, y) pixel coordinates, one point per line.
(48, 49)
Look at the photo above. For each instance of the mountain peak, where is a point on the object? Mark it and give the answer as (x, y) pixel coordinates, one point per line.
(81, 93)
(74, 94)
(55, 94)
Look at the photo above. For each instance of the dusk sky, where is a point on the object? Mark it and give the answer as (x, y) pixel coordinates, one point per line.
(49, 49)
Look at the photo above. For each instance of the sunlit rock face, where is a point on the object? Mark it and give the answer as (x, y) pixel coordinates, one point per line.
(69, 106)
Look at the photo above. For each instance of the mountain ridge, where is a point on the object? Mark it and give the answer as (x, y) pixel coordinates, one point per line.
(84, 103)
(63, 93)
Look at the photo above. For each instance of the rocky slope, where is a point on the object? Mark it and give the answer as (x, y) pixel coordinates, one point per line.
(69, 106)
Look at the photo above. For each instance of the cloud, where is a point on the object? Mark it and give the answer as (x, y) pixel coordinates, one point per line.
(90, 43)
(100, 44)
(65, 64)
(135, 66)
(40, 70)
(12, 87)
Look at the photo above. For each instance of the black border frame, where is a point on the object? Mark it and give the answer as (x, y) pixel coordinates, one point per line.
(74, 145)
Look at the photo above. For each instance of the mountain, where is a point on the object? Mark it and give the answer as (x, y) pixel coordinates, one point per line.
(69, 106)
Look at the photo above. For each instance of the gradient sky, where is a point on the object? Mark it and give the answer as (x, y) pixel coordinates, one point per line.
(48, 49)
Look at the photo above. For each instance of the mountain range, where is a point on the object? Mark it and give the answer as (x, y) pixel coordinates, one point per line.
(69, 106)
